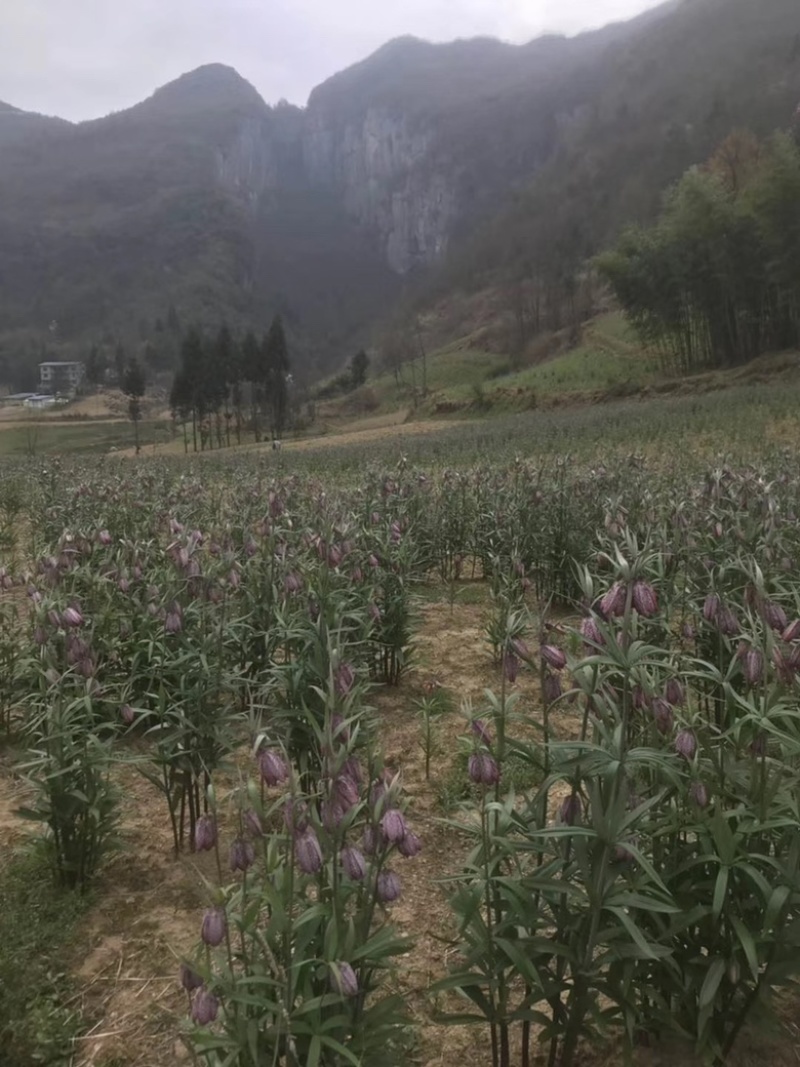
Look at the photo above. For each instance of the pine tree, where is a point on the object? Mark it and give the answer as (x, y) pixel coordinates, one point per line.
(359, 365)
(133, 386)
(277, 374)
(95, 366)
(225, 356)
(187, 379)
(180, 401)
(252, 372)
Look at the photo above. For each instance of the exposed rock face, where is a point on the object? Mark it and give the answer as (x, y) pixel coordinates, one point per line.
(386, 173)
(249, 165)
(382, 170)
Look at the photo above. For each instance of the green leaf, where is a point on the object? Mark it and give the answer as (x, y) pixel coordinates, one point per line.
(748, 945)
(720, 891)
(647, 951)
(711, 983)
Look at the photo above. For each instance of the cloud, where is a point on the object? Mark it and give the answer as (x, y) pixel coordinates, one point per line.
(88, 57)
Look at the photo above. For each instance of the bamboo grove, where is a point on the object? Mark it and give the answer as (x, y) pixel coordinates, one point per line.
(715, 281)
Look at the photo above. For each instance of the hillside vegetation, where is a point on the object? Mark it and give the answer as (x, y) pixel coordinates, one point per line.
(462, 165)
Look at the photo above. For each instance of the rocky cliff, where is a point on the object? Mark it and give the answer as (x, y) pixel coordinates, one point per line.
(383, 169)
(390, 180)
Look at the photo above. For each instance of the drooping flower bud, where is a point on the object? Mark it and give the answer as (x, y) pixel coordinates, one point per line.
(104, 537)
(662, 714)
(190, 979)
(590, 632)
(698, 794)
(758, 746)
(127, 714)
(343, 979)
(252, 823)
(295, 816)
(520, 649)
(345, 792)
(371, 840)
(72, 617)
(343, 679)
(173, 623)
(292, 583)
(272, 766)
(510, 667)
(686, 744)
(753, 666)
(645, 599)
(639, 698)
(481, 730)
(242, 854)
(214, 928)
(353, 863)
(205, 833)
(410, 846)
(553, 657)
(204, 1007)
(674, 693)
(551, 687)
(394, 826)
(773, 615)
(727, 622)
(483, 769)
(332, 814)
(387, 887)
(569, 813)
(613, 602)
(334, 556)
(308, 853)
(792, 632)
(352, 769)
(711, 607)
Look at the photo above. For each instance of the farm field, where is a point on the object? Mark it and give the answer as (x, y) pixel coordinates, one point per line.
(529, 686)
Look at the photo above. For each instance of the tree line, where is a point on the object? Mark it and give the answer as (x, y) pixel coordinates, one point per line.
(225, 383)
(716, 280)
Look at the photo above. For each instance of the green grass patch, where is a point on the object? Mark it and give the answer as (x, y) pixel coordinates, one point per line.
(39, 1018)
(588, 368)
(48, 438)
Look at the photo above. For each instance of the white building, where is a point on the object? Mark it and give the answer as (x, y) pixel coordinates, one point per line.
(61, 377)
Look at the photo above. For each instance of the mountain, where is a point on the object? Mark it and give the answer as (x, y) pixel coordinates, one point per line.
(421, 168)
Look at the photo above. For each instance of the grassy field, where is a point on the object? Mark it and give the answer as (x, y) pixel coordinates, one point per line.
(40, 438)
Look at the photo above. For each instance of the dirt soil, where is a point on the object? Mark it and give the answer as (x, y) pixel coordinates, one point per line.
(149, 904)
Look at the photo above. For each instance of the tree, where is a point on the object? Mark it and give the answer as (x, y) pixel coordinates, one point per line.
(180, 401)
(228, 369)
(95, 367)
(133, 386)
(359, 365)
(277, 373)
(185, 386)
(120, 362)
(252, 372)
(717, 280)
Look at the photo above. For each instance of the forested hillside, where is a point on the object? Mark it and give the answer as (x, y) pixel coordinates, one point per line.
(424, 169)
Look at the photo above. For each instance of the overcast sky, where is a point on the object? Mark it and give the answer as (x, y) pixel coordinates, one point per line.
(83, 58)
